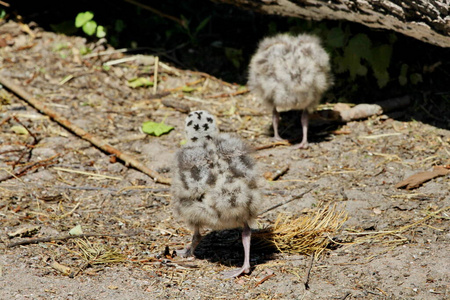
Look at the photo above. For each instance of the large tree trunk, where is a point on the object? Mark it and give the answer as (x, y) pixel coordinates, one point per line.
(426, 20)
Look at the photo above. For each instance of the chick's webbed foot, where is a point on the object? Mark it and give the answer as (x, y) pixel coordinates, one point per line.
(237, 272)
(302, 145)
(246, 236)
(186, 252)
(189, 250)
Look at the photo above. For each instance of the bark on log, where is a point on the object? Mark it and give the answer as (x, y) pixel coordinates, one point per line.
(425, 20)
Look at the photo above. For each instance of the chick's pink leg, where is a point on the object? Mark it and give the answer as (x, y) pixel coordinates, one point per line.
(246, 237)
(304, 142)
(275, 122)
(189, 250)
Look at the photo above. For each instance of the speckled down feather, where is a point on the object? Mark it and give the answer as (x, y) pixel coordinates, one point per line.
(290, 72)
(214, 183)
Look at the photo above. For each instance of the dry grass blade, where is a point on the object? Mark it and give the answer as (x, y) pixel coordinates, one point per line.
(380, 236)
(97, 254)
(305, 234)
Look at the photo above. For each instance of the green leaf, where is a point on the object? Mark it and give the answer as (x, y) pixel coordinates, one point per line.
(76, 230)
(82, 18)
(188, 89)
(336, 37)
(234, 55)
(352, 63)
(415, 78)
(119, 25)
(382, 78)
(402, 79)
(202, 24)
(381, 57)
(156, 129)
(19, 129)
(139, 82)
(184, 22)
(89, 27)
(360, 45)
(85, 50)
(101, 32)
(339, 62)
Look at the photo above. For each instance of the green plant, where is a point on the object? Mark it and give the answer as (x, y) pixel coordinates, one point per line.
(234, 56)
(413, 78)
(85, 21)
(192, 33)
(357, 54)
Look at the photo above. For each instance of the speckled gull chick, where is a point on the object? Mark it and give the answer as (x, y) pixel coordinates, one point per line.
(214, 184)
(290, 72)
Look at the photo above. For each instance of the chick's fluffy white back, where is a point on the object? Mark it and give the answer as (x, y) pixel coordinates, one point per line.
(290, 72)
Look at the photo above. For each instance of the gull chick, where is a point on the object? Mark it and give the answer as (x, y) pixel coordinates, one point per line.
(290, 72)
(214, 184)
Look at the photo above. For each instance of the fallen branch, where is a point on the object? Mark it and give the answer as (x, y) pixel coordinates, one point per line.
(63, 238)
(346, 113)
(129, 160)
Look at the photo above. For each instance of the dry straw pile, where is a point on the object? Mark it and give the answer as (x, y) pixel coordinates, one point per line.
(304, 234)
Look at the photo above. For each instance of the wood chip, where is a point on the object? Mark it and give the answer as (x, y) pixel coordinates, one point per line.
(61, 268)
(418, 179)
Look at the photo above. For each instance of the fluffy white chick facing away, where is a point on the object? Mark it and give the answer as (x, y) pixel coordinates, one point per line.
(290, 72)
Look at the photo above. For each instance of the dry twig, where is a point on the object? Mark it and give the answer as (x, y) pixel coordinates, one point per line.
(290, 200)
(280, 143)
(99, 143)
(278, 174)
(34, 165)
(62, 238)
(308, 273)
(379, 235)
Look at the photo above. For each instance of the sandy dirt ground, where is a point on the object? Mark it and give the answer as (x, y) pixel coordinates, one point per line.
(394, 245)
